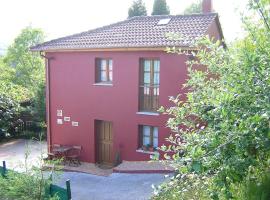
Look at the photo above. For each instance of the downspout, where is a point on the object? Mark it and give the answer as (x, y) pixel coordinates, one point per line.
(48, 99)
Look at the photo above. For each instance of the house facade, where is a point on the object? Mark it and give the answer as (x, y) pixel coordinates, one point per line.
(104, 86)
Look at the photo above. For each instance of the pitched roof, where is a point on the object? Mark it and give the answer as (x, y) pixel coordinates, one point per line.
(136, 32)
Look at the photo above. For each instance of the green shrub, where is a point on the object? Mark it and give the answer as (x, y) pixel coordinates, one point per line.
(32, 135)
(8, 114)
(30, 184)
(24, 186)
(184, 188)
(2, 134)
(255, 186)
(220, 127)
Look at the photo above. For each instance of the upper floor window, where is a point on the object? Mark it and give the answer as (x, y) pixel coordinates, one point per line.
(149, 85)
(104, 70)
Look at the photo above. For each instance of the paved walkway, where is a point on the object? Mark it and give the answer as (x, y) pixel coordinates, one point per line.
(124, 167)
(88, 168)
(114, 187)
(14, 153)
(143, 167)
(84, 186)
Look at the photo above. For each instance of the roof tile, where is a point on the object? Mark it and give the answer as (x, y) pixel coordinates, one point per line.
(140, 31)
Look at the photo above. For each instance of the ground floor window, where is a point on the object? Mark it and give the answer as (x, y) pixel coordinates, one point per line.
(148, 137)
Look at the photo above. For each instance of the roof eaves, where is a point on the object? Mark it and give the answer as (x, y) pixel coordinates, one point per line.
(220, 31)
(36, 47)
(42, 47)
(145, 48)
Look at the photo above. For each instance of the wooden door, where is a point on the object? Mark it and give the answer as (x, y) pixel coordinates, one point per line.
(104, 146)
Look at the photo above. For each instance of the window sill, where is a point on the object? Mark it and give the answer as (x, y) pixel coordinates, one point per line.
(147, 152)
(103, 84)
(148, 113)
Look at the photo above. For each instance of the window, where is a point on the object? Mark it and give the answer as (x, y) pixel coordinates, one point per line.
(104, 70)
(148, 136)
(164, 21)
(149, 85)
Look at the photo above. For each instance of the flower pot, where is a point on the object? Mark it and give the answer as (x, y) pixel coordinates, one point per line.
(144, 148)
(151, 148)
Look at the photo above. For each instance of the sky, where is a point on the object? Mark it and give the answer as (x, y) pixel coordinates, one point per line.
(58, 18)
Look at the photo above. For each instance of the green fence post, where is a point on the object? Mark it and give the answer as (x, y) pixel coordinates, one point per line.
(50, 186)
(68, 189)
(4, 168)
(50, 177)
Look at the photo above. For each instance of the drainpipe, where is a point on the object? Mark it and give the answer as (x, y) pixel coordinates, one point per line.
(48, 99)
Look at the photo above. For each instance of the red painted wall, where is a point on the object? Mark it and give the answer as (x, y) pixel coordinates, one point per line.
(72, 75)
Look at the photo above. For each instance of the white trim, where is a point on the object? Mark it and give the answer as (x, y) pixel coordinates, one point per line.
(148, 113)
(124, 49)
(147, 152)
(103, 84)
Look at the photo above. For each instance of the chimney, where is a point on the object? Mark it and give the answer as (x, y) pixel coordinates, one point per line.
(207, 6)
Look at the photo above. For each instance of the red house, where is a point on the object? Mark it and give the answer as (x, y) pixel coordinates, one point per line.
(104, 86)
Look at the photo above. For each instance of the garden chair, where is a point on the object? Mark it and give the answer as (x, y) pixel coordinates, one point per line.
(53, 154)
(73, 156)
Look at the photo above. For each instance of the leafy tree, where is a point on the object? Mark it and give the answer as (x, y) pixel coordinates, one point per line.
(194, 8)
(160, 7)
(8, 116)
(137, 9)
(8, 88)
(22, 76)
(10, 96)
(38, 105)
(29, 67)
(220, 129)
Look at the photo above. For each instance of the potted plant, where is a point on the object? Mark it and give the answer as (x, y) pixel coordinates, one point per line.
(144, 148)
(150, 147)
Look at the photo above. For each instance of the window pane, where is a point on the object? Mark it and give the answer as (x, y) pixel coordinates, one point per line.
(110, 76)
(155, 136)
(146, 140)
(146, 90)
(147, 77)
(156, 78)
(147, 64)
(156, 65)
(156, 91)
(103, 64)
(146, 130)
(155, 132)
(110, 65)
(103, 76)
(155, 142)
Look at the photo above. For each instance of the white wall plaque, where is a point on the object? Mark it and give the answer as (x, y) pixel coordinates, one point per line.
(59, 121)
(67, 119)
(59, 113)
(75, 123)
